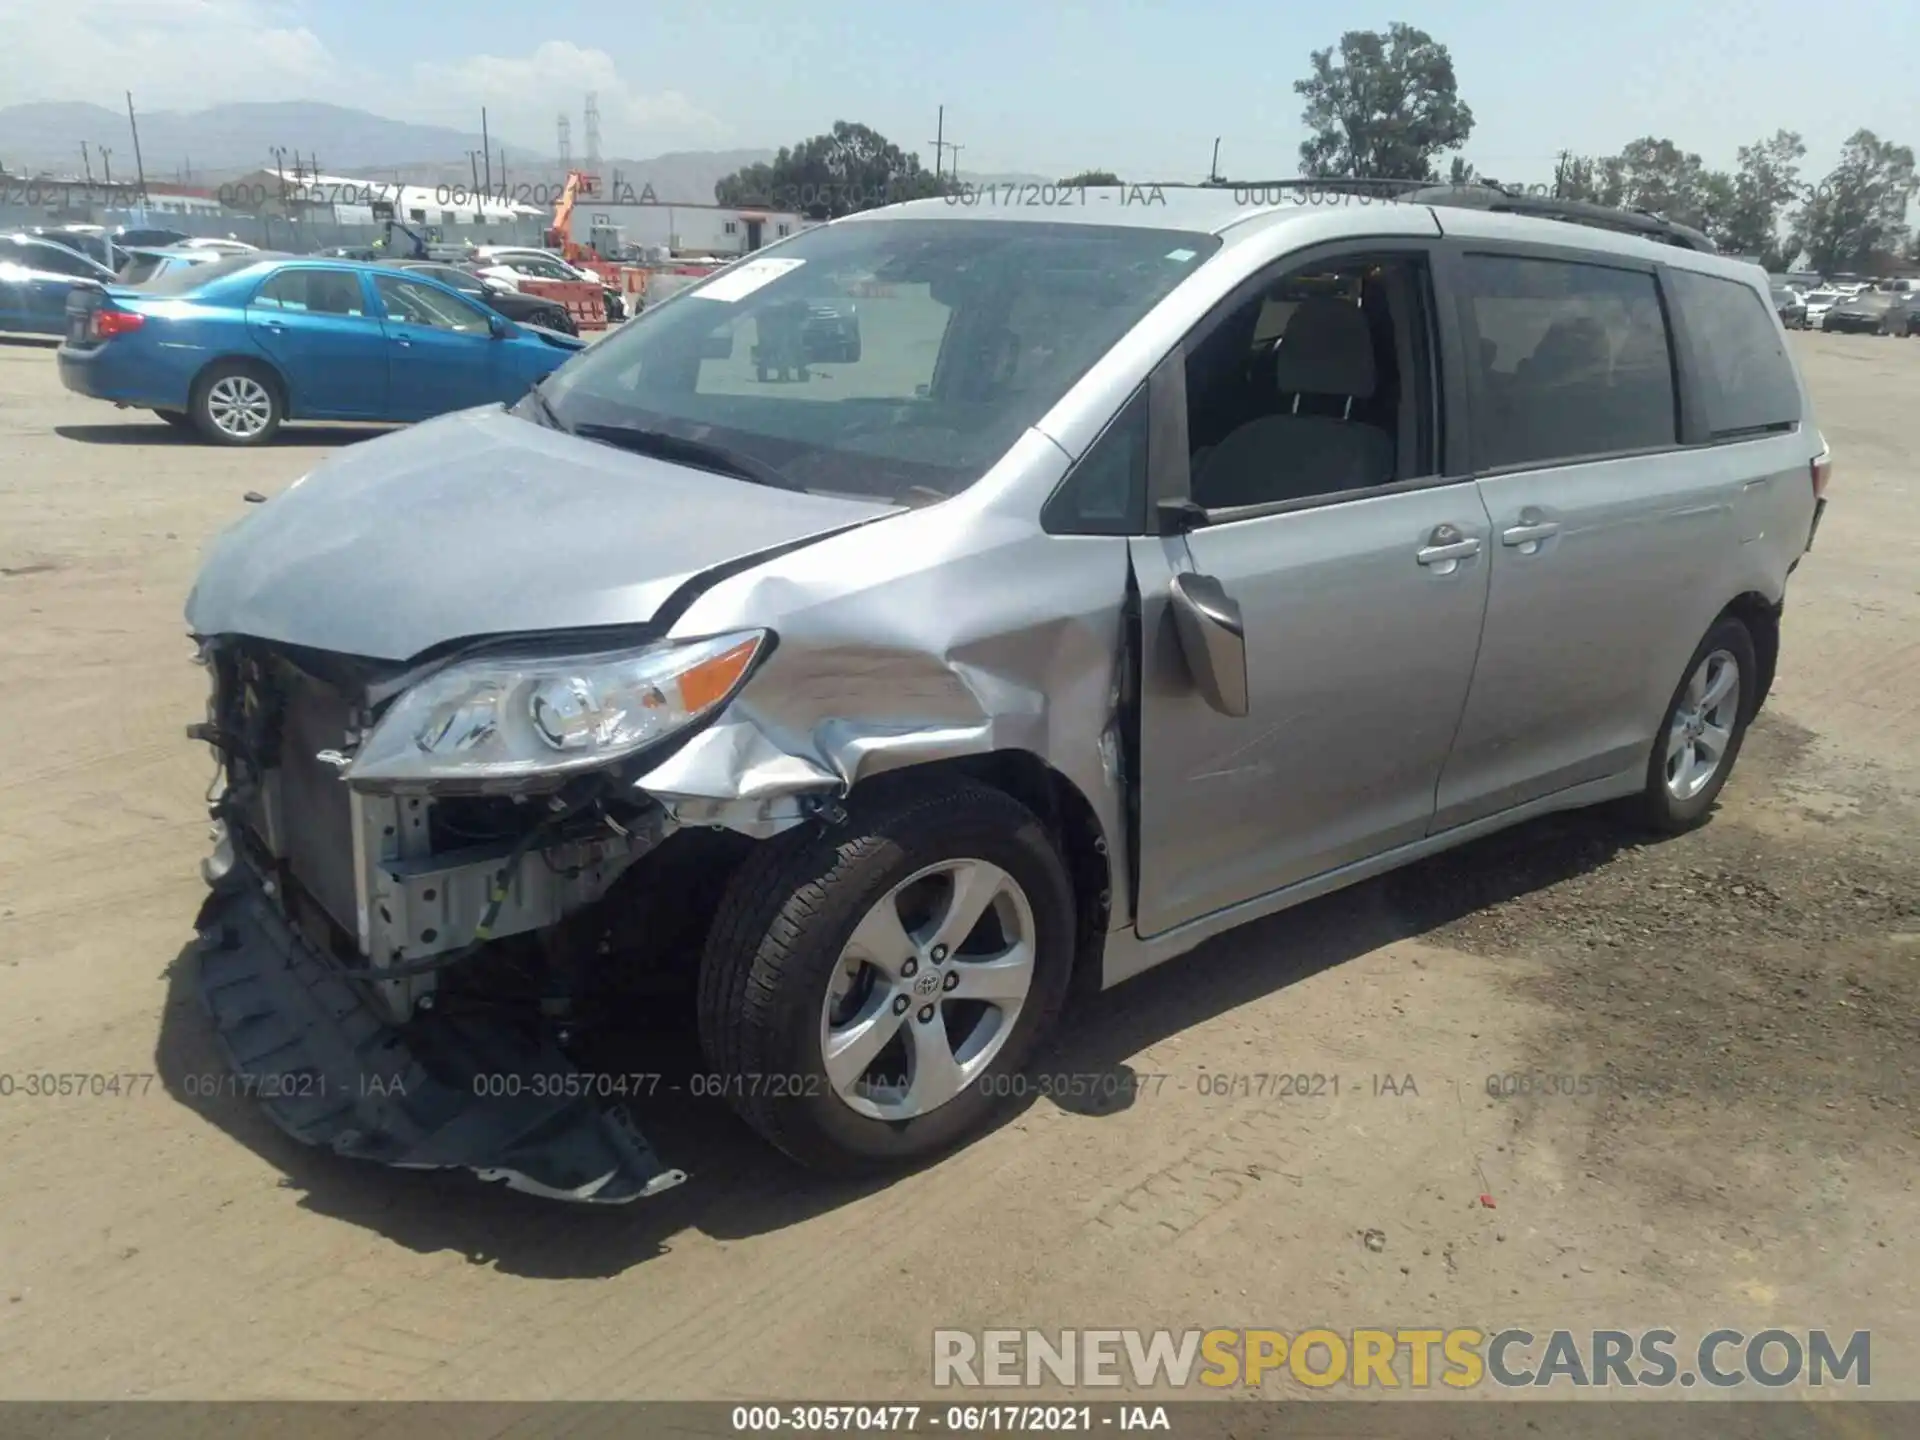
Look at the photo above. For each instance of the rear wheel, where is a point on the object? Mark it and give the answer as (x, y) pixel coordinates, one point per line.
(557, 319)
(236, 403)
(868, 992)
(1700, 736)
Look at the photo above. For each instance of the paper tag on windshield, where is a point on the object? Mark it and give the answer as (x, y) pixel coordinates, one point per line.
(743, 280)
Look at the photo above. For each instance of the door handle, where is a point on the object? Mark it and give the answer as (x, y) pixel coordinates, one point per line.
(1531, 533)
(1440, 554)
(1446, 547)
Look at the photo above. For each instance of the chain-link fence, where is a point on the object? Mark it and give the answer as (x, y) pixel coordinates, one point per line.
(304, 236)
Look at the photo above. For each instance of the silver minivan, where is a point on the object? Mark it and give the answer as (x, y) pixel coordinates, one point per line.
(1161, 559)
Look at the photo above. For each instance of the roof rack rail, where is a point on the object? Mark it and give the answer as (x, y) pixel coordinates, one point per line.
(1510, 200)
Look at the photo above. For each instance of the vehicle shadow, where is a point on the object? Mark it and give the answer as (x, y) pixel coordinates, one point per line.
(740, 1187)
(161, 433)
(31, 342)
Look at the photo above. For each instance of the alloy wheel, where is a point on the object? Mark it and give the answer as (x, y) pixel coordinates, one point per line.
(928, 989)
(1703, 724)
(239, 406)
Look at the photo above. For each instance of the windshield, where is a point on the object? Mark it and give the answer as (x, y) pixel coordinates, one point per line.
(1822, 297)
(885, 358)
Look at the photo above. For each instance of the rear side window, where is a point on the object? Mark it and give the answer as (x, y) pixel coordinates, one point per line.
(1568, 360)
(1747, 385)
(318, 292)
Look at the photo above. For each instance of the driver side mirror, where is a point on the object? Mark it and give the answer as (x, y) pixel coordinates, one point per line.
(498, 327)
(1207, 623)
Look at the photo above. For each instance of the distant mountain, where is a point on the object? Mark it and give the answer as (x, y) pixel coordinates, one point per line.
(227, 141)
(48, 135)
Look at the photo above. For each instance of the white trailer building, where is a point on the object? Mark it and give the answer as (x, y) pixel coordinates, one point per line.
(684, 229)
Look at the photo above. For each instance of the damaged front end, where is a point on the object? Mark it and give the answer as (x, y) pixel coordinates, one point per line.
(382, 955)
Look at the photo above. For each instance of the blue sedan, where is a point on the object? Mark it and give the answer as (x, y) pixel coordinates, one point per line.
(233, 348)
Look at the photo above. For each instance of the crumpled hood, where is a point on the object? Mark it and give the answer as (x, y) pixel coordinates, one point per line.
(480, 523)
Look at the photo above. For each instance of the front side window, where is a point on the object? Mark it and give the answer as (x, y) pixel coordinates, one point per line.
(1318, 383)
(57, 259)
(1747, 385)
(1567, 359)
(316, 292)
(889, 358)
(414, 304)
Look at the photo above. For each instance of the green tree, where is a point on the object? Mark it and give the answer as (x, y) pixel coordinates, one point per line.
(1657, 175)
(1765, 184)
(1089, 179)
(1461, 173)
(850, 168)
(1856, 218)
(1384, 108)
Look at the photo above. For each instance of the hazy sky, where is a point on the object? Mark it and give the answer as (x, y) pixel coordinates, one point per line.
(1138, 86)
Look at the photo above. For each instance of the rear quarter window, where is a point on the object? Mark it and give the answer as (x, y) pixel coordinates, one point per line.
(1747, 382)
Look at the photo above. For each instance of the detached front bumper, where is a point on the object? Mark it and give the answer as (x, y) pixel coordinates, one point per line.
(440, 1092)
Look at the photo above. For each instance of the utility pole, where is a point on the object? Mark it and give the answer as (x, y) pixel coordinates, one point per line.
(1213, 170)
(939, 142)
(486, 151)
(139, 168)
(503, 173)
(473, 164)
(954, 150)
(86, 160)
(279, 153)
(106, 159)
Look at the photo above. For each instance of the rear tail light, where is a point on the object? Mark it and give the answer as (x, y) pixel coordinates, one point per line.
(1821, 469)
(109, 323)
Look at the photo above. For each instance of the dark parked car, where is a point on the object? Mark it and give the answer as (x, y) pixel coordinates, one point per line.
(1792, 307)
(1862, 314)
(96, 245)
(150, 237)
(504, 299)
(1903, 315)
(36, 272)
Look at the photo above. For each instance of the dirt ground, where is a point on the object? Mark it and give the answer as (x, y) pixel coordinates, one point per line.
(1745, 996)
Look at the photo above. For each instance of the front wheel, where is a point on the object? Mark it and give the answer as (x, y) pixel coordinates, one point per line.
(1700, 736)
(869, 993)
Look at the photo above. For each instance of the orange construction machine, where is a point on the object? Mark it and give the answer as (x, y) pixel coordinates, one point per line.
(560, 236)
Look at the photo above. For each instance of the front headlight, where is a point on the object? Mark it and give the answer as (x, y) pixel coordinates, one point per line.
(503, 717)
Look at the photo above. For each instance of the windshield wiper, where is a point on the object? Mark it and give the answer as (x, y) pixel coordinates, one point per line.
(545, 407)
(701, 454)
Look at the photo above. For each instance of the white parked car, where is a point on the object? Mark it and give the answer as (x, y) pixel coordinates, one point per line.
(228, 246)
(1821, 301)
(512, 264)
